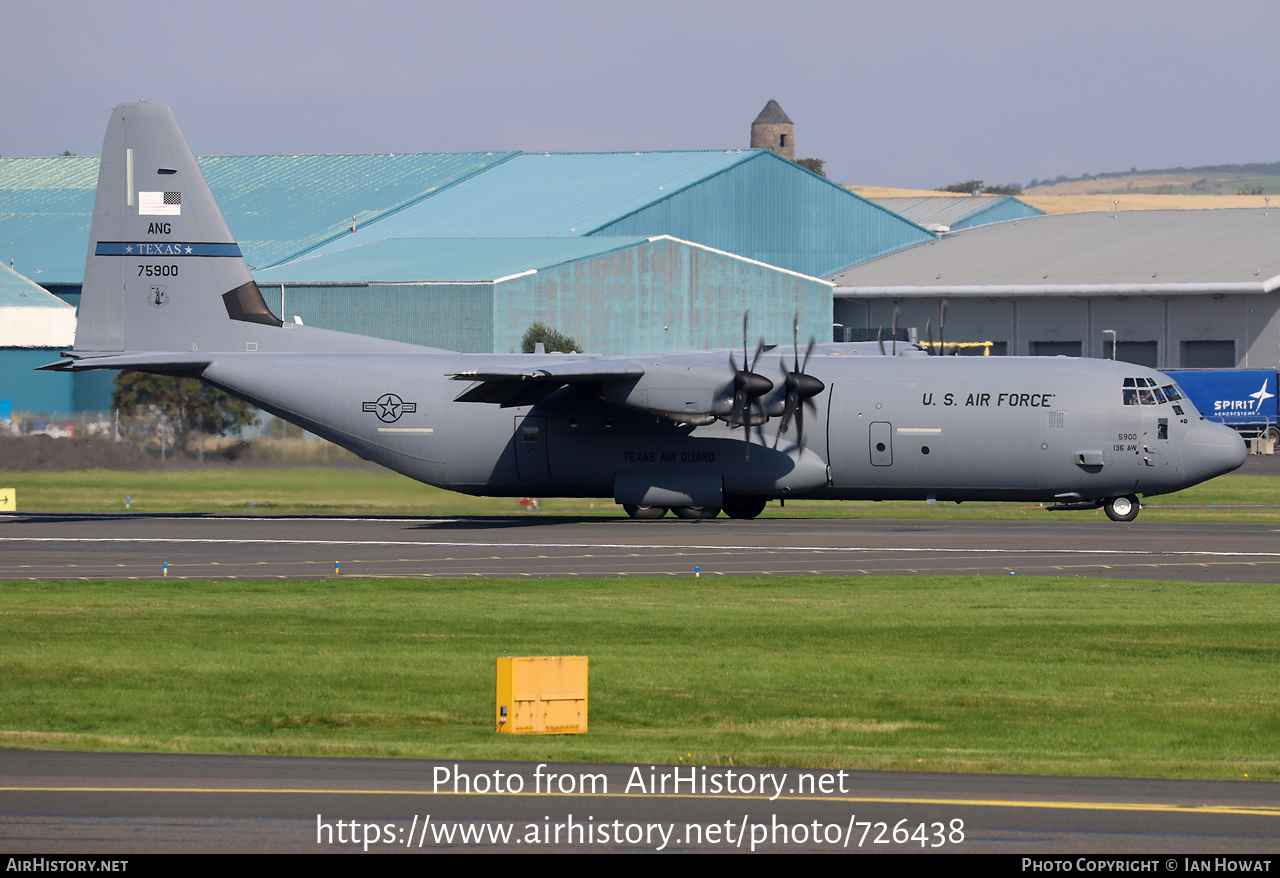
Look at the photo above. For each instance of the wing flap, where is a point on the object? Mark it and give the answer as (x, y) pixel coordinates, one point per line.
(521, 386)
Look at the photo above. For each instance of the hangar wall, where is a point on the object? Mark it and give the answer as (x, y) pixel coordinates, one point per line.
(454, 316)
(1165, 332)
(631, 296)
(663, 295)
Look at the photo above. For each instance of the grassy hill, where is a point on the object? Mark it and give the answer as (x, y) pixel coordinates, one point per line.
(1063, 203)
(1250, 179)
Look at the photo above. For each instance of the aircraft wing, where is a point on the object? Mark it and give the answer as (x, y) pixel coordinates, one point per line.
(518, 385)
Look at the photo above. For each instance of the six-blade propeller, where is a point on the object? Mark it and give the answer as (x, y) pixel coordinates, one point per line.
(800, 386)
(797, 388)
(748, 387)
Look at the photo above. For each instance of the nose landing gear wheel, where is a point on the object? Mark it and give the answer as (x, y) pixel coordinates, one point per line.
(644, 513)
(1122, 508)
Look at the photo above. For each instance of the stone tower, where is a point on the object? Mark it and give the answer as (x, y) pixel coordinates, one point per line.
(774, 130)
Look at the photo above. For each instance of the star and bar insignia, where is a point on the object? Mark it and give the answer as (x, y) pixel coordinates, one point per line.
(389, 407)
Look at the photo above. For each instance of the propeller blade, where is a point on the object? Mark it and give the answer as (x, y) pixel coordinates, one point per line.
(748, 387)
(942, 328)
(795, 338)
(788, 406)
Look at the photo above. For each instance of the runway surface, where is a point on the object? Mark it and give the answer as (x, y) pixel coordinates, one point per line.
(106, 803)
(68, 546)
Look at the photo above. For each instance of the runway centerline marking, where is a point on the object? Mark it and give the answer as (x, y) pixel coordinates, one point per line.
(634, 547)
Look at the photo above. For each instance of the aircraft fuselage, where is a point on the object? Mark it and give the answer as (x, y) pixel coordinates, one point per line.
(916, 427)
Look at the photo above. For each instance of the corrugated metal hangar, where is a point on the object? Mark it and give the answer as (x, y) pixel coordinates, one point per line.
(943, 213)
(625, 251)
(1169, 289)
(751, 203)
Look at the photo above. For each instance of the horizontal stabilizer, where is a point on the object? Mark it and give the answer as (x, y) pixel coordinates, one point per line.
(164, 363)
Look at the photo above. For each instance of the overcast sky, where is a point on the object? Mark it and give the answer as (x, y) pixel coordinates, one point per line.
(918, 94)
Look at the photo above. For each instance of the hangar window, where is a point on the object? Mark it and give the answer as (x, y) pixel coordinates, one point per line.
(1208, 354)
(1141, 353)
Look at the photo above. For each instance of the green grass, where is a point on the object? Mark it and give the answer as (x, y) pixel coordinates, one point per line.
(359, 491)
(1037, 675)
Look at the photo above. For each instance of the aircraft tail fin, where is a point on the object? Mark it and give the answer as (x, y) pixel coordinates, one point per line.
(163, 272)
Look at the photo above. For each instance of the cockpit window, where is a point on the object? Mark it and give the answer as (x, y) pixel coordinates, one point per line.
(1145, 391)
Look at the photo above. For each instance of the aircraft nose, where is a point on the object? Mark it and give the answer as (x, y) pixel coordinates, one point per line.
(1212, 449)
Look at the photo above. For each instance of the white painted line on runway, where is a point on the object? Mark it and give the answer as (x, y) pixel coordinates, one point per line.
(632, 546)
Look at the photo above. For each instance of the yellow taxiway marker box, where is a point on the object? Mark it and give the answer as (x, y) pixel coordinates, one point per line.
(8, 499)
(542, 695)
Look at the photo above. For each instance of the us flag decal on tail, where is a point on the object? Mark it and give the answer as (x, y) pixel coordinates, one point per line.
(160, 203)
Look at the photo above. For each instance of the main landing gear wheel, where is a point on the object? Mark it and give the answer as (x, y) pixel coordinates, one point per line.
(644, 513)
(744, 507)
(1122, 508)
(696, 513)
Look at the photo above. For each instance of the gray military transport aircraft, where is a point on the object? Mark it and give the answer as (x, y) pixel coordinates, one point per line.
(167, 291)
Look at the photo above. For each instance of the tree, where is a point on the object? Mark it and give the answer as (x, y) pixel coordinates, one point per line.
(550, 338)
(966, 187)
(978, 187)
(814, 165)
(184, 405)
